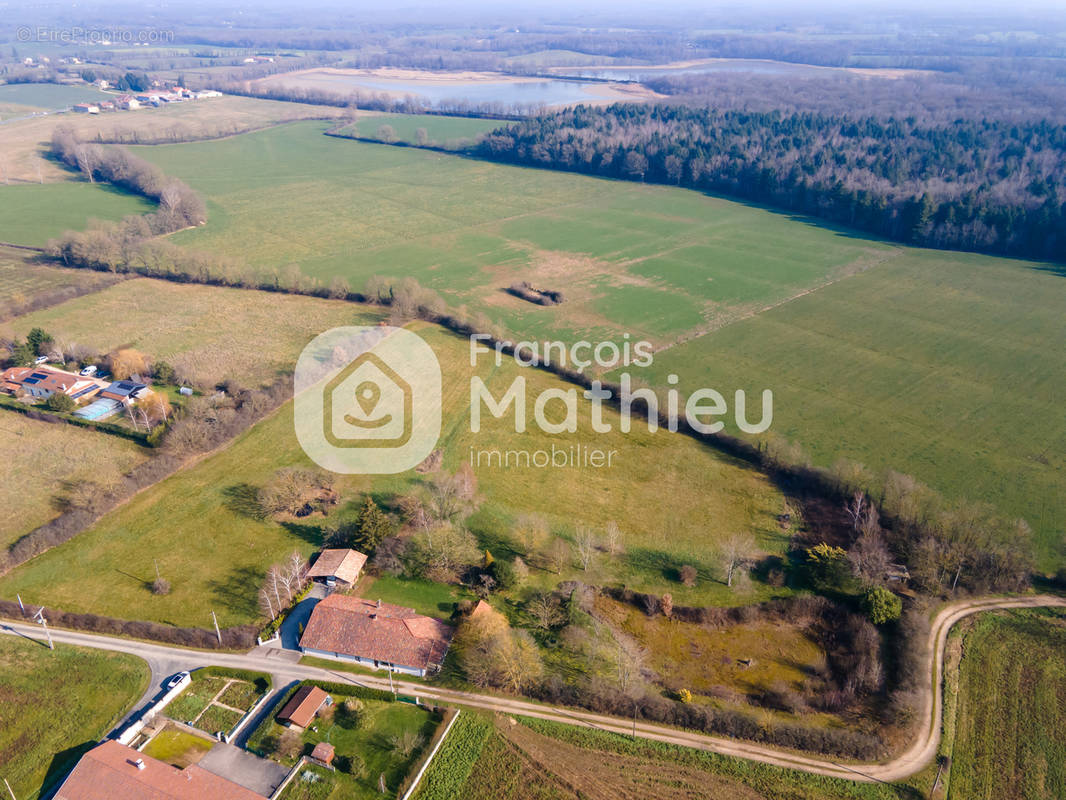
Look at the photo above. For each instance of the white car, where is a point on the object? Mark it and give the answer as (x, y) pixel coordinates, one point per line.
(40, 360)
(173, 682)
(85, 373)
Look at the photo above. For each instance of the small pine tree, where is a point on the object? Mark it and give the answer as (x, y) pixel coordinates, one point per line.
(373, 526)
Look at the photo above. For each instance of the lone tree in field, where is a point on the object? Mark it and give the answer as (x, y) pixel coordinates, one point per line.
(735, 551)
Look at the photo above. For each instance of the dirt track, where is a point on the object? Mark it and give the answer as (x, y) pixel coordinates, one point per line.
(166, 660)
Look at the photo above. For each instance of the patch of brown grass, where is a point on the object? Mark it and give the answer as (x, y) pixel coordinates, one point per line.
(712, 661)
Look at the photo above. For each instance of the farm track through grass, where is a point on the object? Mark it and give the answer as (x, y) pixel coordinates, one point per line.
(935, 364)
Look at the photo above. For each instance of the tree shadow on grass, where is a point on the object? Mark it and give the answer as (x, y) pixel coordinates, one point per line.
(312, 534)
(238, 590)
(665, 565)
(243, 499)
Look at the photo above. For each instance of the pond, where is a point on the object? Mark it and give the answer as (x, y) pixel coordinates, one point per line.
(506, 91)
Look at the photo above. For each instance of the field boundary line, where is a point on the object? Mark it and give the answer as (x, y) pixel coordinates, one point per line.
(699, 333)
(432, 754)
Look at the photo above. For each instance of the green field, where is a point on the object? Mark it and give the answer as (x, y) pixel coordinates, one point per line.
(204, 331)
(940, 365)
(55, 705)
(653, 261)
(23, 282)
(39, 468)
(915, 360)
(1011, 710)
(550, 761)
(441, 131)
(224, 553)
(32, 214)
(22, 98)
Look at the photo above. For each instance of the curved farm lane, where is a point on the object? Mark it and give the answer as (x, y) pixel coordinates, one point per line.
(166, 660)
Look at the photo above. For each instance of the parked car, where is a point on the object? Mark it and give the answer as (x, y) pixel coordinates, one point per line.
(88, 371)
(173, 682)
(40, 360)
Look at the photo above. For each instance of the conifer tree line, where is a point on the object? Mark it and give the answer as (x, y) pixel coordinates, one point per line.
(979, 185)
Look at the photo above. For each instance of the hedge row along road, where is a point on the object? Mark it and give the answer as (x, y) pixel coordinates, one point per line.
(166, 660)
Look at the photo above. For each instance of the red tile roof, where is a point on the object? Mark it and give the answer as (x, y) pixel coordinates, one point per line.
(356, 626)
(109, 772)
(323, 752)
(343, 563)
(303, 706)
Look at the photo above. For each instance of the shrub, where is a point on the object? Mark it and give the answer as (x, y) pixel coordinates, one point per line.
(63, 403)
(881, 605)
(688, 575)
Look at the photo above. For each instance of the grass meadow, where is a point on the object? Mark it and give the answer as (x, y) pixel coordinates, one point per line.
(940, 364)
(42, 460)
(25, 98)
(209, 333)
(31, 214)
(1010, 709)
(24, 156)
(944, 366)
(441, 130)
(654, 261)
(525, 759)
(55, 705)
(23, 282)
(215, 555)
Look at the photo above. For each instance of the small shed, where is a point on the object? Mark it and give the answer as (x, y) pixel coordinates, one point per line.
(323, 754)
(301, 709)
(339, 565)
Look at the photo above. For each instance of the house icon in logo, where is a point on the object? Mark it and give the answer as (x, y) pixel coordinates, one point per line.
(367, 400)
(367, 404)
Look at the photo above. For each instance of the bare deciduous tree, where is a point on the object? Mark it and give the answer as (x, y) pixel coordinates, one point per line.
(585, 547)
(545, 610)
(612, 539)
(735, 550)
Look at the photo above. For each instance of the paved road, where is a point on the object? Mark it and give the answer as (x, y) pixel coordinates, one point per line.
(163, 658)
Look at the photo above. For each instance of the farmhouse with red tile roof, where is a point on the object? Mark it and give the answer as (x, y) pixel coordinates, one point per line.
(376, 634)
(112, 770)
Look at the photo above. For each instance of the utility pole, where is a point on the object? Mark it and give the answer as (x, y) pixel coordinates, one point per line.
(8, 785)
(22, 608)
(218, 633)
(44, 624)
